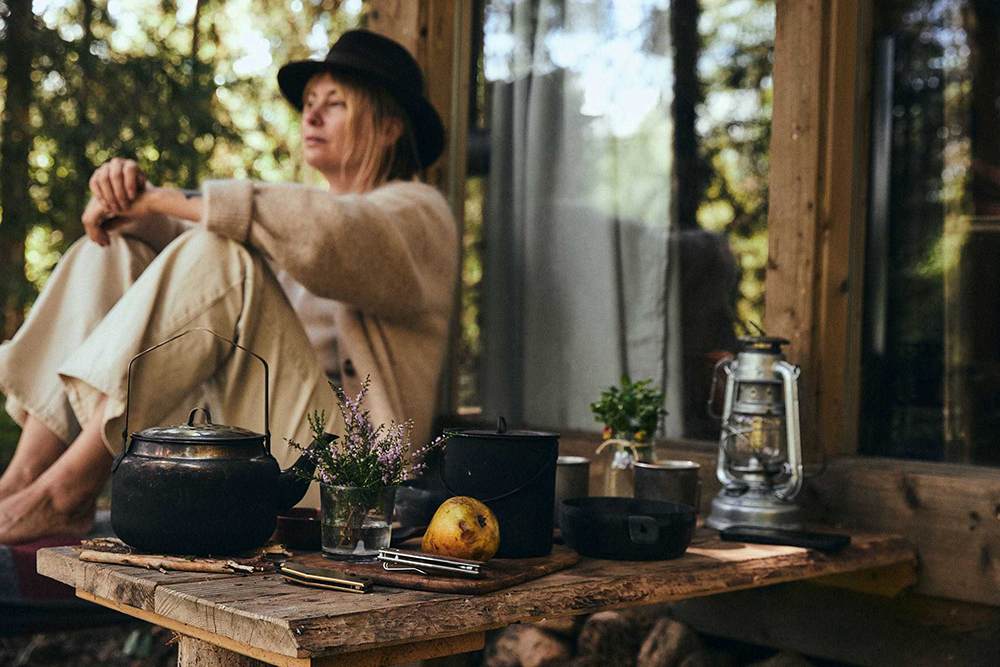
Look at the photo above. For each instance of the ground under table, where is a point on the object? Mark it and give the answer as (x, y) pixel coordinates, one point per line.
(230, 619)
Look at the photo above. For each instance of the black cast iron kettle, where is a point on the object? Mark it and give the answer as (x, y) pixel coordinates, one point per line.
(199, 489)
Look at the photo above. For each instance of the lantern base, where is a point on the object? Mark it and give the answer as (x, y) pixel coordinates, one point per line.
(753, 507)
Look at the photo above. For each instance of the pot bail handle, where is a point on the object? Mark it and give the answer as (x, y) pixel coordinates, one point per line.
(128, 392)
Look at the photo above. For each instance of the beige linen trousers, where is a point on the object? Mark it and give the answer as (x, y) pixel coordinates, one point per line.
(104, 305)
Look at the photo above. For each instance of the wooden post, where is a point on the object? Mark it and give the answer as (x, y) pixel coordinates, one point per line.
(816, 220)
(439, 35)
(193, 652)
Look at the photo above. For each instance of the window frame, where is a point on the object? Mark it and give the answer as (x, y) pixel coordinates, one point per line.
(814, 293)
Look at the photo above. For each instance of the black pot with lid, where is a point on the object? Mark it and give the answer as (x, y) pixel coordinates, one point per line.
(201, 488)
(513, 472)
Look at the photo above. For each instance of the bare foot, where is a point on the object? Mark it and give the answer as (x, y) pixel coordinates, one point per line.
(33, 513)
(62, 500)
(37, 449)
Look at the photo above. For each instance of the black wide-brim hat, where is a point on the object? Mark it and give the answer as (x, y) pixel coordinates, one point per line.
(372, 57)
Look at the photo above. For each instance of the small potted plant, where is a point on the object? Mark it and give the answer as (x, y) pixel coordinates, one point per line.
(358, 476)
(631, 414)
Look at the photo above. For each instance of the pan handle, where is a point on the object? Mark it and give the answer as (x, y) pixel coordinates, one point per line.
(128, 391)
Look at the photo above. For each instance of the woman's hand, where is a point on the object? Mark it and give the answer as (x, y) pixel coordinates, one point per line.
(117, 183)
(98, 221)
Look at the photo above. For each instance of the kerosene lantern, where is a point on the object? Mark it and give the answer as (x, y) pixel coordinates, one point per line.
(760, 451)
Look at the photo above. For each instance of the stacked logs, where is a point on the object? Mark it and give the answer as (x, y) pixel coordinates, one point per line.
(645, 637)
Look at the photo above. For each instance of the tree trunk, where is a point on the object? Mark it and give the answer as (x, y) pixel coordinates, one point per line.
(688, 185)
(196, 76)
(81, 161)
(17, 49)
(687, 179)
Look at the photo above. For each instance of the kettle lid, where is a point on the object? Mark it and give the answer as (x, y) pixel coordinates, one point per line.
(206, 433)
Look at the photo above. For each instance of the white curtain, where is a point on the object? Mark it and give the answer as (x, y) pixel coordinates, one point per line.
(582, 278)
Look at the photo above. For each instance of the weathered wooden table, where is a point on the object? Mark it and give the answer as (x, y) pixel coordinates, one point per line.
(229, 619)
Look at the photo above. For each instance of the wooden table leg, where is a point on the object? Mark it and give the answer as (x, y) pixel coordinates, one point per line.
(196, 653)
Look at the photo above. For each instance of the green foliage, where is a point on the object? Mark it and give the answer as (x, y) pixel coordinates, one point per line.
(736, 68)
(189, 97)
(631, 411)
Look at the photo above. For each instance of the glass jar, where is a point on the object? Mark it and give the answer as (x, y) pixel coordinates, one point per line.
(356, 521)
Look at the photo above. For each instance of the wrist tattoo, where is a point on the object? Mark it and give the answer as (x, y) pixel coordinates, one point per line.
(191, 194)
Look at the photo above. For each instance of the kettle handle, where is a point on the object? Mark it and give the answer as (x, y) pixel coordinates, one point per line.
(128, 391)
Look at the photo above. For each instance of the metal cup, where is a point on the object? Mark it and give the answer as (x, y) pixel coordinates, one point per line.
(671, 481)
(572, 479)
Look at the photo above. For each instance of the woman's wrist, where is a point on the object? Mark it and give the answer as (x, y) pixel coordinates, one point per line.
(183, 204)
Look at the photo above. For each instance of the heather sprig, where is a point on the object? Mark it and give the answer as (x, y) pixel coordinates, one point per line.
(366, 456)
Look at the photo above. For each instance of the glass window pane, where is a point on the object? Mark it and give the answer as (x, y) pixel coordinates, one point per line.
(932, 310)
(624, 225)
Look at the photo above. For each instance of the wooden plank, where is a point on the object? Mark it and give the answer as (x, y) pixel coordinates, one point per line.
(850, 627)
(950, 513)
(256, 653)
(887, 581)
(394, 655)
(216, 647)
(816, 219)
(843, 221)
(797, 141)
(129, 585)
(596, 585)
(260, 612)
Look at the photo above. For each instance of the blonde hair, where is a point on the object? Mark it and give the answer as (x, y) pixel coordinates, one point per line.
(370, 109)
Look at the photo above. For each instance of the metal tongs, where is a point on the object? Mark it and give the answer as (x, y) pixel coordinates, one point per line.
(429, 564)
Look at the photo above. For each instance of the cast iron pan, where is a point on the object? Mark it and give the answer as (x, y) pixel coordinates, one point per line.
(626, 528)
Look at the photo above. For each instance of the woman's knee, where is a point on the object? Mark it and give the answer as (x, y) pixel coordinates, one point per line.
(201, 244)
(203, 258)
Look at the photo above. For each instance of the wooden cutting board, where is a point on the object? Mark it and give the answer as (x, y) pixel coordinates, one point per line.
(499, 573)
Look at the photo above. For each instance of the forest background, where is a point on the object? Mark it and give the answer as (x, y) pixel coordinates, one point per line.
(187, 88)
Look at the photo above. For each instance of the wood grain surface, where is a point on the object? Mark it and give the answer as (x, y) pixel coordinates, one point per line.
(265, 612)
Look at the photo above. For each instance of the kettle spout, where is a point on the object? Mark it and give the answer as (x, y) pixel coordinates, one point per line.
(293, 482)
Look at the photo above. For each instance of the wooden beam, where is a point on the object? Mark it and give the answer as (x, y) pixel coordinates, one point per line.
(843, 219)
(950, 513)
(439, 35)
(818, 186)
(185, 630)
(200, 647)
(850, 627)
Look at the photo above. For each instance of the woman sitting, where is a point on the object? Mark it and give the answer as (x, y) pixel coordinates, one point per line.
(342, 283)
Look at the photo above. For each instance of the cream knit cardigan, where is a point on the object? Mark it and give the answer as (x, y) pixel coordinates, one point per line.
(387, 258)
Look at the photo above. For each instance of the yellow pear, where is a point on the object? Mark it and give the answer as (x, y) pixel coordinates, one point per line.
(463, 527)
